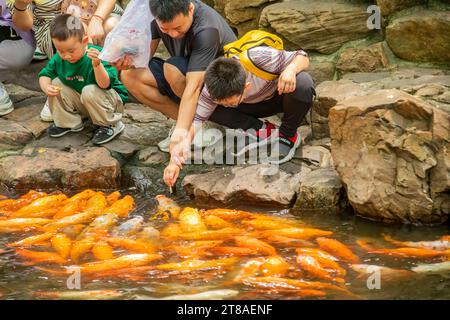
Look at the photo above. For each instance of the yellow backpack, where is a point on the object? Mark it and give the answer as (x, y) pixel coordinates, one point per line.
(251, 39)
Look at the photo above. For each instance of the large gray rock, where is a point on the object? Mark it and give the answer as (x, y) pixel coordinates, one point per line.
(391, 151)
(316, 25)
(262, 184)
(422, 36)
(51, 168)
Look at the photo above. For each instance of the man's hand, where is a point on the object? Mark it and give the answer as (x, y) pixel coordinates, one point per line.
(93, 54)
(52, 91)
(95, 30)
(124, 63)
(180, 147)
(287, 81)
(171, 173)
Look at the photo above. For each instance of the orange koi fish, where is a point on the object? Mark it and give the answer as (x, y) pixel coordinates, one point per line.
(191, 221)
(405, 252)
(167, 207)
(227, 214)
(195, 265)
(433, 245)
(70, 208)
(30, 241)
(297, 233)
(102, 251)
(255, 244)
(112, 197)
(132, 245)
(121, 207)
(314, 268)
(216, 223)
(61, 244)
(337, 249)
(39, 205)
(40, 257)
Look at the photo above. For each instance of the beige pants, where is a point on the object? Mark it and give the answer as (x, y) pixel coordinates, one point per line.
(103, 107)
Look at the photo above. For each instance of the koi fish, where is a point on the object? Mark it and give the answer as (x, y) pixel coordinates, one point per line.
(10, 205)
(434, 245)
(121, 207)
(207, 295)
(167, 207)
(195, 265)
(129, 227)
(191, 221)
(102, 251)
(314, 268)
(112, 197)
(221, 234)
(39, 204)
(232, 251)
(101, 223)
(216, 223)
(30, 241)
(61, 244)
(442, 268)
(126, 261)
(404, 252)
(40, 257)
(19, 223)
(274, 266)
(287, 242)
(81, 247)
(83, 195)
(80, 295)
(132, 245)
(255, 244)
(70, 208)
(337, 249)
(297, 233)
(325, 259)
(227, 214)
(387, 274)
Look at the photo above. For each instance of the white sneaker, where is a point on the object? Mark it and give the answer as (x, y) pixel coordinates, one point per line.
(46, 115)
(164, 145)
(207, 136)
(39, 55)
(6, 105)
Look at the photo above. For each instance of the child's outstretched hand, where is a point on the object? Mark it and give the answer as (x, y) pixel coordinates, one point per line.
(52, 91)
(93, 54)
(171, 173)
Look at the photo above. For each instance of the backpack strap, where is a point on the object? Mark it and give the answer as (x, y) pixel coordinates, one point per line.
(250, 66)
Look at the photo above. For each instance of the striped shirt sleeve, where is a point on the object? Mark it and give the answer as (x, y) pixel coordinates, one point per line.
(205, 107)
(273, 60)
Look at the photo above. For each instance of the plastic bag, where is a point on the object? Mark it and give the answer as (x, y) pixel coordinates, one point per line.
(131, 36)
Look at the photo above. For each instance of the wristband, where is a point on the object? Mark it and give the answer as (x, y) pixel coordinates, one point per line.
(21, 10)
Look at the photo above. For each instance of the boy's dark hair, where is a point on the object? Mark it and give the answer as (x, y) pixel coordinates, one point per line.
(167, 10)
(65, 26)
(225, 78)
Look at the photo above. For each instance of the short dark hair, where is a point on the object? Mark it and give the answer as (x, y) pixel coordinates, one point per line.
(65, 26)
(167, 10)
(225, 78)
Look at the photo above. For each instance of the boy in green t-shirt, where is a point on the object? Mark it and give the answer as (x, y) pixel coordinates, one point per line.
(80, 85)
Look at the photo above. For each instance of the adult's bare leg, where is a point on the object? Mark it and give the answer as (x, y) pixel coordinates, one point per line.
(142, 84)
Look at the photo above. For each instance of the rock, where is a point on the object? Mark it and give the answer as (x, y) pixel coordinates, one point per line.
(144, 179)
(422, 36)
(388, 7)
(12, 133)
(314, 156)
(26, 77)
(263, 184)
(329, 94)
(144, 126)
(362, 59)
(391, 151)
(152, 156)
(42, 168)
(320, 25)
(19, 93)
(321, 190)
(321, 71)
(124, 148)
(28, 117)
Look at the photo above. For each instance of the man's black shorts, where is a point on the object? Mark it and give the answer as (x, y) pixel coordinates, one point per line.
(157, 69)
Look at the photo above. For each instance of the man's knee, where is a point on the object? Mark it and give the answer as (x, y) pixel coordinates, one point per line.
(305, 89)
(175, 78)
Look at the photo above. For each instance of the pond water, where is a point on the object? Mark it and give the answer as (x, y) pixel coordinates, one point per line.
(18, 281)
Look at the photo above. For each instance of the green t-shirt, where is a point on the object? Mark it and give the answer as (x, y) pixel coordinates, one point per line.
(81, 74)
